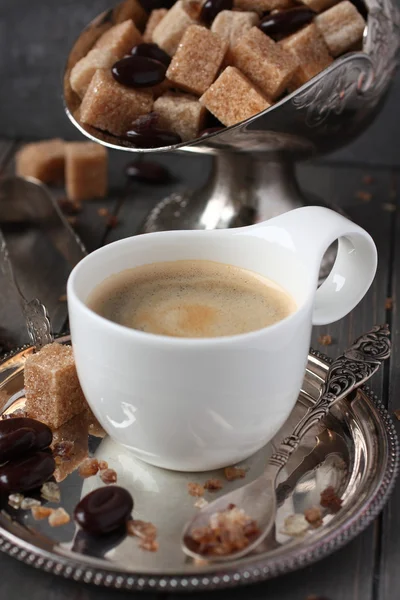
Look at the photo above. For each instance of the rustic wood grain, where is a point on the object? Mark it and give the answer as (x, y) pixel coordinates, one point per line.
(388, 583)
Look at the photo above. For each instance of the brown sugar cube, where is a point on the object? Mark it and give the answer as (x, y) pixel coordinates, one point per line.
(232, 98)
(112, 107)
(156, 16)
(181, 114)
(262, 6)
(319, 5)
(231, 25)
(309, 48)
(168, 33)
(120, 39)
(341, 26)
(70, 445)
(131, 9)
(264, 62)
(197, 60)
(42, 160)
(82, 73)
(53, 392)
(85, 170)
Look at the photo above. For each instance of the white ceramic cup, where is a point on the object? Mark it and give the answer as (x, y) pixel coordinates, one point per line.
(199, 404)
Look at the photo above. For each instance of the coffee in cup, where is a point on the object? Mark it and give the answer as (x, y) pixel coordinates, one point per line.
(191, 298)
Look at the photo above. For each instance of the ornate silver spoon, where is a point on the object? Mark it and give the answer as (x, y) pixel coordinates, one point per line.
(35, 313)
(258, 498)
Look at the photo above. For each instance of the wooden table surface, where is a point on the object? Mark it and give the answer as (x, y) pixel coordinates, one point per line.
(363, 179)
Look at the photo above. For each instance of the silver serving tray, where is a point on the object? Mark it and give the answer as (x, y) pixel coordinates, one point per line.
(356, 450)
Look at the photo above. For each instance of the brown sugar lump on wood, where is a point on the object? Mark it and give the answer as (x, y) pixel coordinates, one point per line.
(111, 106)
(309, 48)
(262, 6)
(156, 16)
(82, 73)
(181, 114)
(42, 160)
(269, 66)
(341, 26)
(169, 32)
(53, 392)
(231, 25)
(233, 98)
(131, 9)
(85, 170)
(120, 39)
(197, 60)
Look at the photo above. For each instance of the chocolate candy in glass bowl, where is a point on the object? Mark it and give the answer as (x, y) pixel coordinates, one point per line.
(104, 510)
(22, 435)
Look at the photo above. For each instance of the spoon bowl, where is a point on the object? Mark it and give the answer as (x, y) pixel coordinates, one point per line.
(258, 499)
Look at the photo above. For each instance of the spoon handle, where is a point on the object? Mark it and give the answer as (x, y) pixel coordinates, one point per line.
(350, 370)
(35, 313)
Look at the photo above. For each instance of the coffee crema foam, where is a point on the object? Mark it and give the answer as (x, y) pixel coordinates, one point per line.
(191, 299)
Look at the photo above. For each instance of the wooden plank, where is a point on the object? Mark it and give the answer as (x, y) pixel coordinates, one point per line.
(20, 582)
(388, 584)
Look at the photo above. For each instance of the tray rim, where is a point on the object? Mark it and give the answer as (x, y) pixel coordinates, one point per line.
(228, 576)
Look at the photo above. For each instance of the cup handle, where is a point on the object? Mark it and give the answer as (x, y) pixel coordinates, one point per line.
(312, 230)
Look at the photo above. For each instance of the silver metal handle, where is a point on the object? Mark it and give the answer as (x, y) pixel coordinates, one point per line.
(35, 313)
(347, 372)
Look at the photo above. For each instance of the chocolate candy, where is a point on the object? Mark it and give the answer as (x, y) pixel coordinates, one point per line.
(285, 22)
(104, 510)
(211, 8)
(152, 138)
(26, 473)
(21, 435)
(147, 172)
(151, 51)
(138, 71)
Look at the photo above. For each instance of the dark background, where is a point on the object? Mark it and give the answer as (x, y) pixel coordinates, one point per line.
(35, 37)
